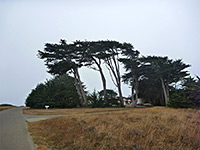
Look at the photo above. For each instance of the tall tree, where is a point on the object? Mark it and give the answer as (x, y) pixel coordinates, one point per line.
(187, 94)
(166, 70)
(93, 54)
(109, 52)
(113, 51)
(192, 90)
(63, 58)
(134, 70)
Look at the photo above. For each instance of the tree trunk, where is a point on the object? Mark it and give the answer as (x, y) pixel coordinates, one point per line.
(164, 91)
(104, 83)
(78, 89)
(119, 82)
(167, 91)
(85, 104)
(136, 89)
(162, 100)
(102, 78)
(132, 97)
(120, 95)
(114, 70)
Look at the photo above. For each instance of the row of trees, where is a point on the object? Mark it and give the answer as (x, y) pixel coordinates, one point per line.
(150, 77)
(154, 74)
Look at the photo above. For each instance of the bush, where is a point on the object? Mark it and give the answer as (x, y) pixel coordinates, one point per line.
(178, 99)
(188, 96)
(96, 100)
(59, 92)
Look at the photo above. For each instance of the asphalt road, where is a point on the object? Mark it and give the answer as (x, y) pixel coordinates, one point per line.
(13, 131)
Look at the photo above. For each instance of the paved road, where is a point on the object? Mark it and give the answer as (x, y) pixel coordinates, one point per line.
(13, 131)
(34, 118)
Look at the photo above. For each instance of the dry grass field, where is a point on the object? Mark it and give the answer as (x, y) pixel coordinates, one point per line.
(156, 128)
(70, 111)
(5, 107)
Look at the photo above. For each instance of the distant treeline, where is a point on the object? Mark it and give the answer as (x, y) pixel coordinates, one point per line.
(2, 105)
(158, 80)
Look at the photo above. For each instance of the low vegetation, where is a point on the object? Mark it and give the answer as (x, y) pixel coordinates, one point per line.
(70, 112)
(118, 129)
(5, 106)
(58, 92)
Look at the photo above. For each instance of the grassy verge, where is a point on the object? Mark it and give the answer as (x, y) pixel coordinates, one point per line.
(5, 107)
(70, 111)
(150, 129)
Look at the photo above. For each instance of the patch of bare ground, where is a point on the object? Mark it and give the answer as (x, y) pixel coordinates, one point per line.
(134, 129)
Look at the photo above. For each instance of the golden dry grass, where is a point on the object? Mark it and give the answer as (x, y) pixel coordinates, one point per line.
(70, 111)
(5, 107)
(131, 129)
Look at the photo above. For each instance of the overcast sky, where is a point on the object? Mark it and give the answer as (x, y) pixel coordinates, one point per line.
(155, 27)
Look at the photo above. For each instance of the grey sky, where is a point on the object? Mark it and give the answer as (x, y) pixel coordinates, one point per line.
(154, 27)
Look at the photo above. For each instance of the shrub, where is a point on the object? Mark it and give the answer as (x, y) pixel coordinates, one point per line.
(178, 99)
(96, 99)
(59, 92)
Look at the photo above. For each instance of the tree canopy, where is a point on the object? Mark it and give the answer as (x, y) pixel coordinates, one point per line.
(164, 70)
(150, 77)
(63, 58)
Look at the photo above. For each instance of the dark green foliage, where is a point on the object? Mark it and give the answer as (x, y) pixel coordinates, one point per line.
(160, 72)
(192, 88)
(110, 93)
(135, 73)
(3, 105)
(59, 58)
(178, 99)
(96, 99)
(151, 91)
(112, 99)
(59, 92)
(37, 98)
(150, 77)
(188, 96)
(64, 58)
